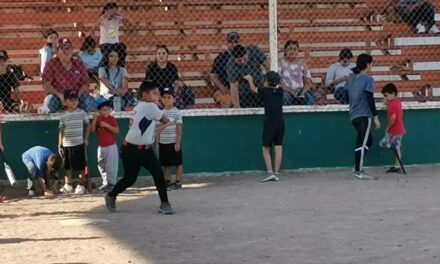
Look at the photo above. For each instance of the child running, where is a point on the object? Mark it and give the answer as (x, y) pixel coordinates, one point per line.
(106, 128)
(42, 164)
(73, 137)
(136, 151)
(395, 129)
(360, 87)
(170, 140)
(273, 131)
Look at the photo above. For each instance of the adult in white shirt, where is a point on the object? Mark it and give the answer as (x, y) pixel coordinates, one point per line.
(338, 74)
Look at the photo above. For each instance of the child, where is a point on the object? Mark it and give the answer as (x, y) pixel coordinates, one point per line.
(395, 129)
(8, 83)
(73, 137)
(49, 49)
(106, 127)
(136, 151)
(44, 165)
(170, 139)
(91, 57)
(273, 131)
(360, 87)
(114, 81)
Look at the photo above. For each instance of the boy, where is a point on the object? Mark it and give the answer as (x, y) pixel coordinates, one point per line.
(395, 129)
(273, 131)
(44, 165)
(170, 139)
(136, 151)
(106, 127)
(73, 137)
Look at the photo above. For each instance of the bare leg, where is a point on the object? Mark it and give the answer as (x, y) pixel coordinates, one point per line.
(82, 177)
(267, 158)
(179, 172)
(278, 158)
(167, 172)
(68, 177)
(399, 153)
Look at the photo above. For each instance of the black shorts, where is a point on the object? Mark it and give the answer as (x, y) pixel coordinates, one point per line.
(168, 156)
(75, 158)
(273, 134)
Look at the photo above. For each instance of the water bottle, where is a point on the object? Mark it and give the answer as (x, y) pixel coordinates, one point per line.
(134, 96)
(116, 103)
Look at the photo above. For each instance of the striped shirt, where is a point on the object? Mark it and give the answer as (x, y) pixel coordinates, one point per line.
(72, 125)
(169, 134)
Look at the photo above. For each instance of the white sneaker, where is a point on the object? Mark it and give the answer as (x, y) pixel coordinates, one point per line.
(80, 189)
(66, 189)
(434, 30)
(270, 177)
(420, 28)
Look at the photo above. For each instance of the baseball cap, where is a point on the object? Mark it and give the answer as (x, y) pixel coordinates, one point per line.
(100, 102)
(64, 43)
(3, 55)
(233, 36)
(273, 78)
(168, 90)
(71, 94)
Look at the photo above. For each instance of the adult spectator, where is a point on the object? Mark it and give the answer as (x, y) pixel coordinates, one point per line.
(91, 57)
(161, 71)
(48, 51)
(8, 83)
(245, 75)
(219, 76)
(296, 78)
(66, 73)
(338, 74)
(419, 14)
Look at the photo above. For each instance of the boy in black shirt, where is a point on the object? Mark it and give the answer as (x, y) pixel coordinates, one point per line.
(273, 131)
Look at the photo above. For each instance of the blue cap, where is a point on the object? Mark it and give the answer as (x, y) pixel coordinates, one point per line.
(168, 90)
(101, 102)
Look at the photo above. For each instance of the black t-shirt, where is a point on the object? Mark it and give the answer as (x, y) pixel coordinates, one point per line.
(162, 77)
(219, 67)
(273, 104)
(7, 83)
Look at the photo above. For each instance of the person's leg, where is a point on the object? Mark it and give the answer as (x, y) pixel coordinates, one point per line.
(309, 98)
(131, 162)
(179, 173)
(287, 98)
(112, 164)
(54, 104)
(167, 173)
(267, 158)
(87, 103)
(68, 177)
(278, 158)
(150, 162)
(31, 176)
(101, 164)
(362, 126)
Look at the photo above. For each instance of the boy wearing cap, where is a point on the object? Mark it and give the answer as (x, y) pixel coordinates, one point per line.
(106, 128)
(273, 131)
(73, 137)
(170, 139)
(136, 150)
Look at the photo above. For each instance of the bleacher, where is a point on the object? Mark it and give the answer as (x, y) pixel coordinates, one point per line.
(194, 31)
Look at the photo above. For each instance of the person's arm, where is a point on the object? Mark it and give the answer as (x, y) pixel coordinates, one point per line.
(47, 86)
(86, 134)
(372, 106)
(104, 80)
(266, 64)
(235, 99)
(250, 80)
(217, 83)
(330, 77)
(60, 137)
(113, 129)
(308, 84)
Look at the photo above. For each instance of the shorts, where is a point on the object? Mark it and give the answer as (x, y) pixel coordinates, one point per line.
(168, 156)
(273, 134)
(75, 158)
(389, 139)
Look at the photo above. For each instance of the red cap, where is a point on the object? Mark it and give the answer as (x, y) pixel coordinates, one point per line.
(64, 43)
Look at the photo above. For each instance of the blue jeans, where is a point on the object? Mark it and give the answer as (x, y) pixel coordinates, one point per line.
(32, 170)
(308, 99)
(86, 102)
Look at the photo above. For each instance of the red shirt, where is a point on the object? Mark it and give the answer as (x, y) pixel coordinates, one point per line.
(395, 108)
(63, 80)
(106, 137)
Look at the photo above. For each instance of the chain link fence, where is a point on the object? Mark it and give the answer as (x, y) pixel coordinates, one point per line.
(210, 51)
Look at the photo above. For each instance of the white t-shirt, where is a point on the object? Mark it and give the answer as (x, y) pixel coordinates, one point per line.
(109, 30)
(337, 71)
(143, 124)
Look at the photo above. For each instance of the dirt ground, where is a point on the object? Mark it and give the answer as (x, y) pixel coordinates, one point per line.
(308, 217)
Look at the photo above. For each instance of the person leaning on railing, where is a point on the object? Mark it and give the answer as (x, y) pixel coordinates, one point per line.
(338, 74)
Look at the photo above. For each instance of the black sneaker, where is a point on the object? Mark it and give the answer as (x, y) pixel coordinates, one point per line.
(394, 170)
(110, 203)
(165, 208)
(174, 186)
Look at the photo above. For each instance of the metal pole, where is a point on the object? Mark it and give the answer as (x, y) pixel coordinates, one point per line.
(273, 35)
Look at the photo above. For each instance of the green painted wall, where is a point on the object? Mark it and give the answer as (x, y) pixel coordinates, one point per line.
(233, 143)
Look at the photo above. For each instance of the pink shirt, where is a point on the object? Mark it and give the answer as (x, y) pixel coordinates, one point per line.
(63, 80)
(293, 74)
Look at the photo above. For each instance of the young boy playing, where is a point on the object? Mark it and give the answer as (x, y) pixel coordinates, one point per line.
(73, 137)
(106, 128)
(170, 139)
(273, 131)
(44, 165)
(395, 129)
(136, 150)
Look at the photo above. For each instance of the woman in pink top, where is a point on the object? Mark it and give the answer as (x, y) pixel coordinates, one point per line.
(296, 79)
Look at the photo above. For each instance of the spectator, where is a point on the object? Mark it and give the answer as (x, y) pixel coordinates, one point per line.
(296, 79)
(338, 74)
(66, 73)
(91, 57)
(114, 82)
(8, 82)
(222, 100)
(49, 49)
(219, 76)
(162, 72)
(245, 75)
(109, 24)
(419, 14)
